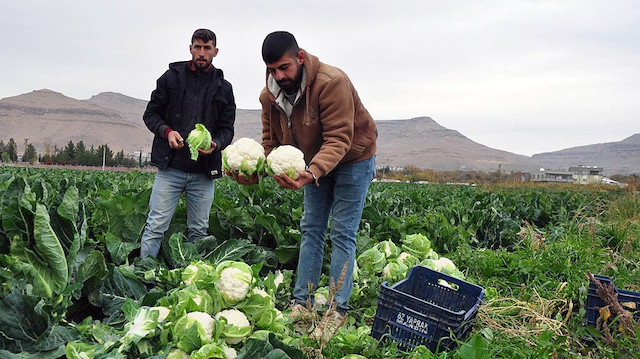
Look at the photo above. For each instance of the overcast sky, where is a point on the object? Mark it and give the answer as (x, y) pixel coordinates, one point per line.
(521, 76)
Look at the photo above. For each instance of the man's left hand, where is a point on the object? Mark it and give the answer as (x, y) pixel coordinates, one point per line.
(304, 178)
(209, 151)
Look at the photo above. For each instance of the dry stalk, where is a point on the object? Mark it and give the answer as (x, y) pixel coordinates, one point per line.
(313, 353)
(626, 323)
(522, 319)
(611, 264)
(304, 324)
(627, 245)
(323, 324)
(527, 232)
(308, 302)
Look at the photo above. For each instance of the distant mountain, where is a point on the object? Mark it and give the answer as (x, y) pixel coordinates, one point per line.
(423, 143)
(621, 157)
(45, 117)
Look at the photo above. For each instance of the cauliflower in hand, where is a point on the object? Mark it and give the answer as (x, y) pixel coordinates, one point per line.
(285, 160)
(199, 138)
(245, 157)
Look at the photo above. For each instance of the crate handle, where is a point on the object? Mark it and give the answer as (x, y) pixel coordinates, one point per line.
(450, 285)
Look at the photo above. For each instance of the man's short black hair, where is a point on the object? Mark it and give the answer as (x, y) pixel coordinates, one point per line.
(205, 35)
(278, 43)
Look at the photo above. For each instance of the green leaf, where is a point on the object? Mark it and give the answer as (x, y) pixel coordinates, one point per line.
(80, 350)
(19, 323)
(93, 269)
(45, 265)
(207, 351)
(115, 289)
(272, 348)
(182, 253)
(477, 347)
(118, 248)
(232, 249)
(70, 224)
(287, 253)
(17, 209)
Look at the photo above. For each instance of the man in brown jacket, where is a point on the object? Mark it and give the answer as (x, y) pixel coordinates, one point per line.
(314, 106)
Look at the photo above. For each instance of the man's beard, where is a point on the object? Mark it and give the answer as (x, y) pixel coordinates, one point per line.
(291, 85)
(199, 67)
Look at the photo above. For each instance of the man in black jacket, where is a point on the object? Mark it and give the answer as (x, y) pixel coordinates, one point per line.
(189, 92)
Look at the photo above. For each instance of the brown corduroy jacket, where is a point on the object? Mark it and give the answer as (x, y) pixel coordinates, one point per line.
(328, 122)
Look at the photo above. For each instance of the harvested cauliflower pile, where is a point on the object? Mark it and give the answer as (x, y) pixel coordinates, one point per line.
(285, 160)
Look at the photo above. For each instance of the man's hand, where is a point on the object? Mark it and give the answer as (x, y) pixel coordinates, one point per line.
(209, 151)
(241, 179)
(304, 178)
(175, 140)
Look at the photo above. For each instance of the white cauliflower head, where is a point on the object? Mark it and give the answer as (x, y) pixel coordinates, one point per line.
(444, 264)
(233, 317)
(245, 156)
(230, 353)
(261, 292)
(237, 327)
(206, 320)
(234, 281)
(193, 330)
(278, 279)
(285, 160)
(177, 354)
(163, 313)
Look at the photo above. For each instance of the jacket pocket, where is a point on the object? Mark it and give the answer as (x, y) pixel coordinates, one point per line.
(357, 150)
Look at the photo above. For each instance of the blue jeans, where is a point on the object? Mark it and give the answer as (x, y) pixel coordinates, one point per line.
(168, 186)
(341, 194)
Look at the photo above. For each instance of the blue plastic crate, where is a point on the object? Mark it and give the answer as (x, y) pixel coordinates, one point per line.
(594, 302)
(419, 310)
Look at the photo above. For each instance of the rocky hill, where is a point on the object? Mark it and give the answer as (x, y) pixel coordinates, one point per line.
(424, 143)
(48, 119)
(621, 157)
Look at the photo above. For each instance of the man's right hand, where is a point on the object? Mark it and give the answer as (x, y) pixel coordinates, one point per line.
(253, 179)
(175, 140)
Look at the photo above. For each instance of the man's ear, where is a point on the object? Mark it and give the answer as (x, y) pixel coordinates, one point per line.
(300, 57)
(215, 51)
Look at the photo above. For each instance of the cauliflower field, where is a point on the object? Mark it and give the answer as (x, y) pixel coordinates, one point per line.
(72, 285)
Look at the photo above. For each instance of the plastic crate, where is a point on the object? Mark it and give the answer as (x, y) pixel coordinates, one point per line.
(419, 310)
(594, 302)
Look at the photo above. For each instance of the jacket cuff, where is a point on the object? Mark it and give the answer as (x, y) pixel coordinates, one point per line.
(166, 130)
(315, 171)
(218, 144)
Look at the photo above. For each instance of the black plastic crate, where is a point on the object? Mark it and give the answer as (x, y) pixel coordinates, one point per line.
(420, 310)
(594, 302)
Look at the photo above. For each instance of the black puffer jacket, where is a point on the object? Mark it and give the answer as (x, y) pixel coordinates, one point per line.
(165, 108)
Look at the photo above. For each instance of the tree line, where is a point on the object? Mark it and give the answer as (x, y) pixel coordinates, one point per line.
(72, 154)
